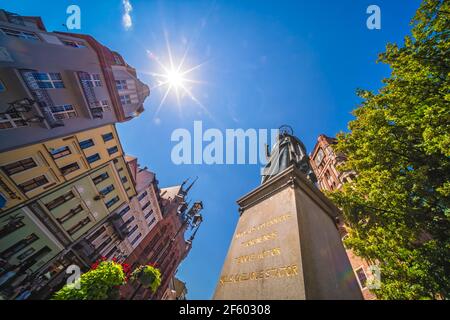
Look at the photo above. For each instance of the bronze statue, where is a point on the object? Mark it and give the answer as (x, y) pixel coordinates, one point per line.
(287, 150)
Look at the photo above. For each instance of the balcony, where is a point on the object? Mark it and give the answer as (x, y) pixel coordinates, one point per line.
(89, 94)
(87, 251)
(120, 226)
(42, 98)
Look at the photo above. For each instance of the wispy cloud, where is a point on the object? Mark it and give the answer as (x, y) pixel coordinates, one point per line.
(126, 18)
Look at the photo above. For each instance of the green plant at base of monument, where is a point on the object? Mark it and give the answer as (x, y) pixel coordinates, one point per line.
(398, 208)
(100, 283)
(149, 276)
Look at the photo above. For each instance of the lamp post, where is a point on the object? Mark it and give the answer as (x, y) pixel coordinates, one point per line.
(194, 220)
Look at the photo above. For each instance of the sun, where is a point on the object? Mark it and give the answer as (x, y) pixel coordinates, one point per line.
(175, 78)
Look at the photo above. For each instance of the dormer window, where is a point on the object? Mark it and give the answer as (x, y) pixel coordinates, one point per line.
(117, 59)
(72, 43)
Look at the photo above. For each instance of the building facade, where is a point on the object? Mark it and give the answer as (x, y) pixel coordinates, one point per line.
(53, 84)
(42, 236)
(176, 290)
(165, 245)
(68, 193)
(118, 236)
(325, 161)
(29, 171)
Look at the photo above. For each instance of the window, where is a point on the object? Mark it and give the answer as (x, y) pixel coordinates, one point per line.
(15, 18)
(96, 234)
(145, 205)
(78, 226)
(11, 226)
(70, 168)
(101, 178)
(362, 278)
(60, 152)
(107, 136)
(105, 105)
(18, 246)
(91, 79)
(148, 214)
(104, 244)
(33, 183)
(2, 86)
(48, 80)
(319, 157)
(125, 99)
(65, 111)
(132, 230)
(111, 202)
(19, 166)
(142, 195)
(111, 252)
(93, 158)
(124, 179)
(38, 255)
(69, 215)
(20, 34)
(131, 219)
(124, 211)
(72, 43)
(151, 221)
(136, 239)
(117, 59)
(12, 120)
(60, 200)
(26, 254)
(112, 150)
(86, 143)
(121, 84)
(107, 190)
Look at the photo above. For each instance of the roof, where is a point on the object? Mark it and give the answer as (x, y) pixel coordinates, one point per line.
(144, 178)
(170, 192)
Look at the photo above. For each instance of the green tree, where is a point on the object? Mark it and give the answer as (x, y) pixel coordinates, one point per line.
(399, 144)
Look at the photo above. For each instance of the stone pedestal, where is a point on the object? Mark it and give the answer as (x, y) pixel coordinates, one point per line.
(286, 246)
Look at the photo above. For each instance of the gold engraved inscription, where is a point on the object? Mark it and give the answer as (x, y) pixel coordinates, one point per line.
(263, 238)
(266, 224)
(259, 256)
(280, 272)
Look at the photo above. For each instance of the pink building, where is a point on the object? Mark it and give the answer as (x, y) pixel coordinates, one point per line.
(324, 161)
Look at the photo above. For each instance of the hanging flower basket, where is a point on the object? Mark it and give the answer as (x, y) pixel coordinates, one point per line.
(148, 276)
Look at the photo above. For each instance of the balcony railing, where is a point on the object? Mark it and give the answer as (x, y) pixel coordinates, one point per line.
(89, 94)
(42, 98)
(120, 226)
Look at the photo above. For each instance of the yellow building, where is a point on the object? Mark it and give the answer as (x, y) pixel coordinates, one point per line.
(44, 235)
(29, 171)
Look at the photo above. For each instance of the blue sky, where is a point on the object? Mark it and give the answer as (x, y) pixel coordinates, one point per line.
(265, 64)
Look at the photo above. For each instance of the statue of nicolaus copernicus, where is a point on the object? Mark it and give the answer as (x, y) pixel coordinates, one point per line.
(288, 150)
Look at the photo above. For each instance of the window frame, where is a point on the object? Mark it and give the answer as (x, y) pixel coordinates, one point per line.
(357, 277)
(69, 112)
(19, 164)
(14, 120)
(50, 80)
(34, 181)
(91, 156)
(26, 35)
(61, 153)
